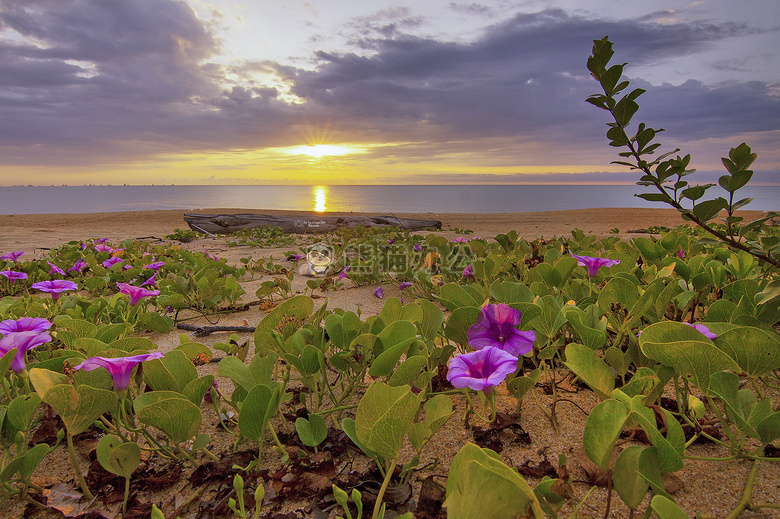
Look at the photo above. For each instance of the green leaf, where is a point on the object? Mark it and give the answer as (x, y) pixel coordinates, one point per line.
(383, 416)
(589, 367)
(22, 409)
(313, 431)
(259, 405)
(79, 408)
(459, 322)
(755, 351)
(629, 485)
(709, 209)
(172, 413)
(602, 431)
(287, 317)
(666, 508)
(686, 350)
(395, 340)
(481, 485)
(437, 411)
(172, 372)
(117, 457)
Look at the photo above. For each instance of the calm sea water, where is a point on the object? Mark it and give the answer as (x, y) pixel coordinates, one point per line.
(399, 199)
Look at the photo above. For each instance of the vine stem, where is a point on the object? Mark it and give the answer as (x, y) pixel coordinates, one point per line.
(380, 496)
(746, 495)
(75, 462)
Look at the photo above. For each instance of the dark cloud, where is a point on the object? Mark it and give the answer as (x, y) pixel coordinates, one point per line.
(121, 81)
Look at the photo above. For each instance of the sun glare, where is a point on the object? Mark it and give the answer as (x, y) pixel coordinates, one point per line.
(320, 197)
(317, 151)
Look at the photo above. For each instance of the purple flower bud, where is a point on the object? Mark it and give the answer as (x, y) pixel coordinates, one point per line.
(404, 285)
(54, 269)
(704, 330)
(378, 292)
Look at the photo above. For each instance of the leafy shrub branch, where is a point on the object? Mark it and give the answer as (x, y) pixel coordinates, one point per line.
(668, 178)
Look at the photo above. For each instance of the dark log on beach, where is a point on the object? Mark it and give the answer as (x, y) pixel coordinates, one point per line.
(229, 223)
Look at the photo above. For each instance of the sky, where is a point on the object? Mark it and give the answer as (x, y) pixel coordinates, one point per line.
(374, 92)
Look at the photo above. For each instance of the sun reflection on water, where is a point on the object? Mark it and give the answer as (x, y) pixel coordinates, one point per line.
(320, 197)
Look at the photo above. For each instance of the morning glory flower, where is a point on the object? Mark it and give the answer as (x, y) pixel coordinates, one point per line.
(79, 266)
(113, 260)
(404, 285)
(55, 287)
(24, 324)
(481, 370)
(102, 247)
(120, 368)
(681, 254)
(344, 273)
(497, 327)
(704, 330)
(459, 239)
(136, 293)
(151, 281)
(101, 240)
(391, 241)
(54, 269)
(417, 247)
(23, 342)
(12, 256)
(378, 292)
(13, 275)
(155, 266)
(210, 256)
(467, 272)
(294, 257)
(594, 264)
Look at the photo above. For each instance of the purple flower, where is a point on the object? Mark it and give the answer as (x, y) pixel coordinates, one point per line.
(417, 247)
(155, 266)
(681, 254)
(344, 273)
(404, 285)
(210, 256)
(12, 256)
(704, 330)
(55, 287)
(151, 281)
(481, 370)
(136, 293)
(54, 269)
(78, 266)
(24, 324)
(119, 368)
(497, 327)
(391, 241)
(476, 238)
(23, 342)
(13, 275)
(467, 272)
(208, 398)
(102, 247)
(101, 240)
(110, 262)
(294, 257)
(378, 292)
(594, 264)
(459, 239)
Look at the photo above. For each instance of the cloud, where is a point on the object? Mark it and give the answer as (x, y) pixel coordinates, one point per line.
(90, 82)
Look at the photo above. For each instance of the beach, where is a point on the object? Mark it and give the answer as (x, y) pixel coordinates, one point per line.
(30, 232)
(37, 234)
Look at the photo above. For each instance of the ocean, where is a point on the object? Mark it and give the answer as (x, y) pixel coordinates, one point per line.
(374, 199)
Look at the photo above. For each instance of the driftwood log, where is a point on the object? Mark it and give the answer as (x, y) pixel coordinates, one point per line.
(230, 223)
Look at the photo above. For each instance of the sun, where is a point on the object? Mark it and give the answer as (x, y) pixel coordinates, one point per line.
(318, 151)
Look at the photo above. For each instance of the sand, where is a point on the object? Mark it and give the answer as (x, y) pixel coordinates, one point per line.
(708, 488)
